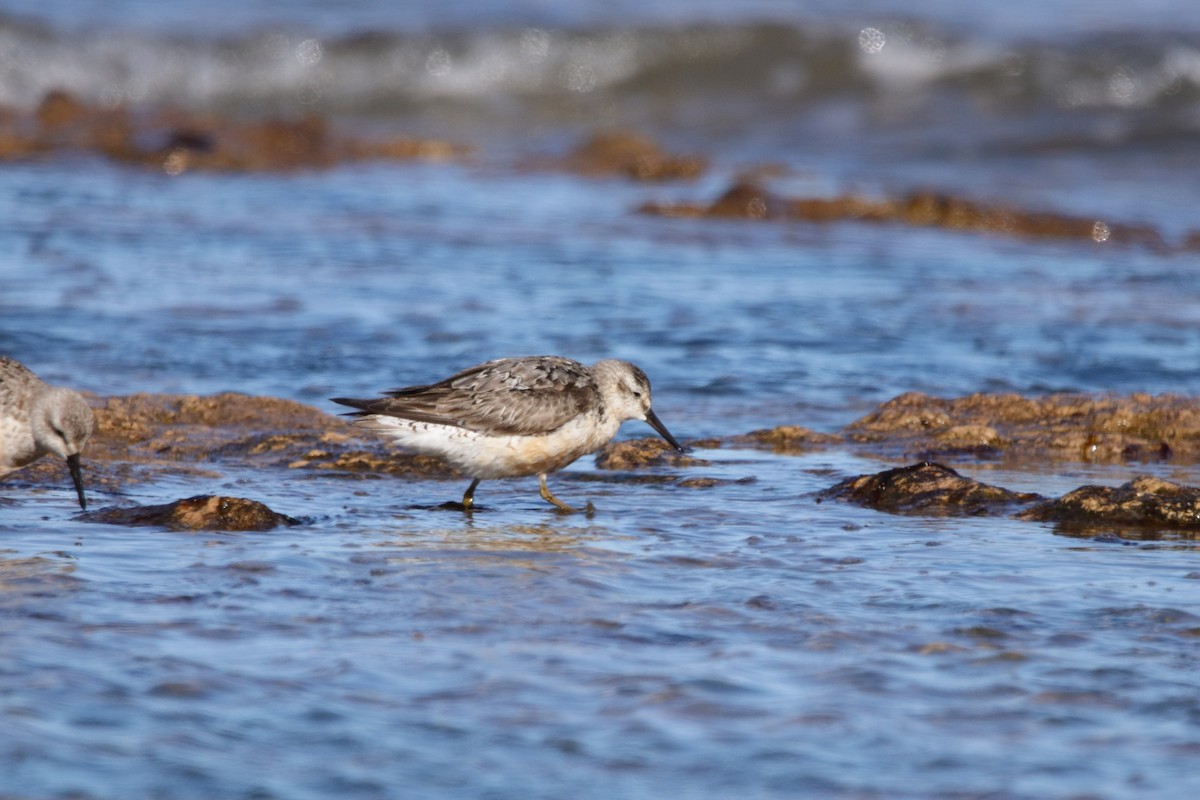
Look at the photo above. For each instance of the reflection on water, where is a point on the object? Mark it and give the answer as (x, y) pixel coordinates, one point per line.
(472, 536)
(35, 574)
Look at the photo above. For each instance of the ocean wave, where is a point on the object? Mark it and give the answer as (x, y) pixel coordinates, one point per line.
(765, 68)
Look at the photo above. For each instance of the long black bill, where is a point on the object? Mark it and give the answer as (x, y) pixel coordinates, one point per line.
(656, 423)
(77, 476)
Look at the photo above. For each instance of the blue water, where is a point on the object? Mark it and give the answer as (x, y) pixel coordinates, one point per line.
(694, 643)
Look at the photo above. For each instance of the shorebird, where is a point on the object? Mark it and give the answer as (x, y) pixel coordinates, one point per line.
(37, 419)
(513, 417)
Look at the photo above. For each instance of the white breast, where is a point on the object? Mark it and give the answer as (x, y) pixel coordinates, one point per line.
(17, 447)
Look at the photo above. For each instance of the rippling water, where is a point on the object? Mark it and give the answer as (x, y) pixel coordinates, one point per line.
(677, 644)
(743, 639)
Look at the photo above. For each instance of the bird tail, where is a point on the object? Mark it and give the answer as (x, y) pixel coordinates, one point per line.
(361, 405)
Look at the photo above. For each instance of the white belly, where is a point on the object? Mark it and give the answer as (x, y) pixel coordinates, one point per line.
(481, 456)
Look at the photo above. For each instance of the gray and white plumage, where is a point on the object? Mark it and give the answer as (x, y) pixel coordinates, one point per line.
(513, 417)
(37, 419)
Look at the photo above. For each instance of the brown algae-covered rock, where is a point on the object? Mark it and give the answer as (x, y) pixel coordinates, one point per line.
(1145, 501)
(177, 141)
(919, 209)
(927, 488)
(747, 201)
(785, 439)
(633, 155)
(139, 436)
(200, 513)
(1137, 427)
(276, 144)
(192, 427)
(649, 452)
(375, 463)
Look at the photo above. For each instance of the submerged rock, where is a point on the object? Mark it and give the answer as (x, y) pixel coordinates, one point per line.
(926, 487)
(200, 513)
(1145, 501)
(706, 482)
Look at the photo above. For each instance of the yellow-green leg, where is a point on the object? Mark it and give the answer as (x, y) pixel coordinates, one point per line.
(549, 498)
(469, 497)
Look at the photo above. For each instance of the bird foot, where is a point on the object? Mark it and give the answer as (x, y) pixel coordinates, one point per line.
(588, 509)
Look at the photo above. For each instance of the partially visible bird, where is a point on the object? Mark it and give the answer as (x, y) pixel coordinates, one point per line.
(37, 419)
(513, 417)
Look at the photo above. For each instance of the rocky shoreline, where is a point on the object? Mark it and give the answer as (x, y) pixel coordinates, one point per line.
(145, 437)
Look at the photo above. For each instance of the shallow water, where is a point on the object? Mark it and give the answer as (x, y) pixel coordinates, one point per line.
(681, 642)
(688, 643)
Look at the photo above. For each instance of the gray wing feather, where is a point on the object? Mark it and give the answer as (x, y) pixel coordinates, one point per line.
(513, 396)
(17, 385)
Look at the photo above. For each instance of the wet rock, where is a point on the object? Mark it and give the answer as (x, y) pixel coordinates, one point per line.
(968, 436)
(1138, 427)
(974, 442)
(250, 147)
(144, 436)
(647, 452)
(195, 428)
(58, 110)
(274, 145)
(747, 201)
(623, 478)
(404, 148)
(63, 122)
(1145, 501)
(200, 513)
(364, 461)
(177, 141)
(919, 209)
(743, 200)
(846, 207)
(926, 487)
(16, 146)
(911, 411)
(657, 479)
(785, 439)
(633, 155)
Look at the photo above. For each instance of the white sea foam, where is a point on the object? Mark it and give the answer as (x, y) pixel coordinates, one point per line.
(761, 69)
